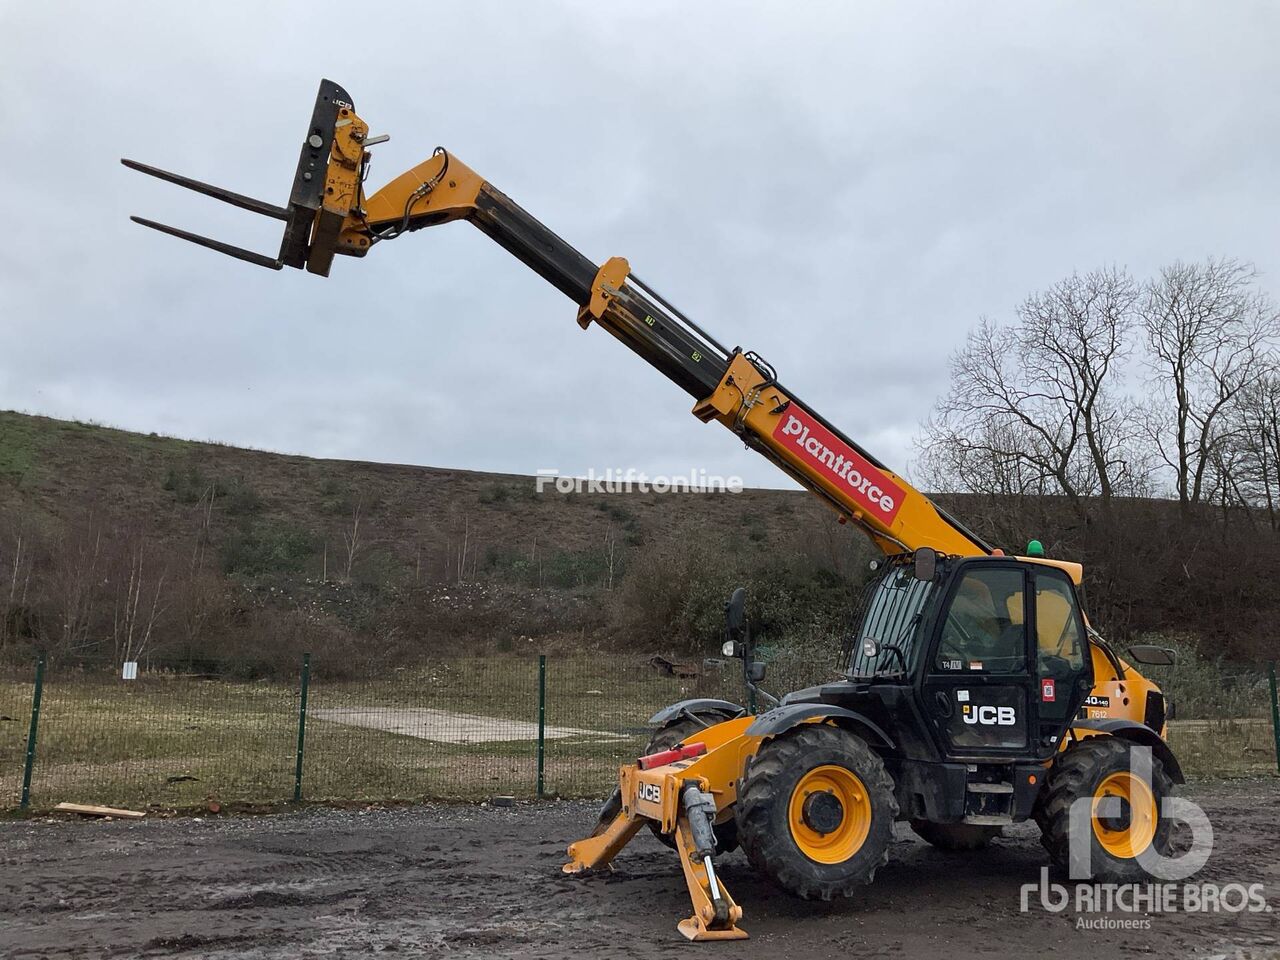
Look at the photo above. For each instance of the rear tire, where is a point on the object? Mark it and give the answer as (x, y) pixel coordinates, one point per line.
(676, 732)
(814, 846)
(955, 836)
(1094, 767)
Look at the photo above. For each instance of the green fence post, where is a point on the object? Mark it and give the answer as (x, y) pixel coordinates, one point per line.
(31, 733)
(302, 727)
(1275, 710)
(542, 723)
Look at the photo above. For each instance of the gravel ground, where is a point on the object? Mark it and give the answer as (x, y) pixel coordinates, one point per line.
(484, 882)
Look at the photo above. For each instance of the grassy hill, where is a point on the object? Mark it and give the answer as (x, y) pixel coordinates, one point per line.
(114, 542)
(59, 469)
(349, 553)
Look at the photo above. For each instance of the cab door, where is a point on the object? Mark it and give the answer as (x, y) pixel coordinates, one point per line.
(979, 680)
(1064, 669)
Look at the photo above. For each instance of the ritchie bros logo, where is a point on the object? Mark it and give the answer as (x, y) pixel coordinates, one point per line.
(818, 446)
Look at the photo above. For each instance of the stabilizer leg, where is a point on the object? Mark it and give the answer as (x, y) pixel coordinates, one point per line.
(715, 914)
(598, 850)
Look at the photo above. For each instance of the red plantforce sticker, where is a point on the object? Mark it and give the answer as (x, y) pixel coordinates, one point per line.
(821, 449)
(1047, 693)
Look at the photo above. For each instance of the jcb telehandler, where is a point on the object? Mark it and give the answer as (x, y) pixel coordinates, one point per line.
(974, 693)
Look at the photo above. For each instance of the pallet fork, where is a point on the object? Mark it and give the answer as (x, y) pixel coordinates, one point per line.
(332, 155)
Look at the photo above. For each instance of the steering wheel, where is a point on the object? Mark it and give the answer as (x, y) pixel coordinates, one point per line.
(947, 642)
(1054, 666)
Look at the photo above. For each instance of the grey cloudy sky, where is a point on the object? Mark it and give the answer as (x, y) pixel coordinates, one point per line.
(844, 187)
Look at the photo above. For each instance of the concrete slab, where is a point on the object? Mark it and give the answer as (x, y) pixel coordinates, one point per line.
(444, 726)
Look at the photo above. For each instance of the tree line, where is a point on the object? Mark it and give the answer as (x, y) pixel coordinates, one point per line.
(1104, 395)
(1104, 386)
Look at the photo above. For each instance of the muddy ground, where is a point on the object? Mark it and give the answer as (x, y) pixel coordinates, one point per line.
(485, 882)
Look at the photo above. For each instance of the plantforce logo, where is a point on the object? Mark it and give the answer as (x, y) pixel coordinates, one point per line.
(852, 473)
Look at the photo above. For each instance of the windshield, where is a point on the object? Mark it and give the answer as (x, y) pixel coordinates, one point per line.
(893, 612)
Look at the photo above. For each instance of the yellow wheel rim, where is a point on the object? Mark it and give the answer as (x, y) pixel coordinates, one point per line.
(829, 814)
(1126, 836)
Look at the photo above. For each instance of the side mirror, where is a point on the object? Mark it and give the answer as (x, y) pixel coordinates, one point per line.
(755, 671)
(1152, 656)
(735, 611)
(926, 566)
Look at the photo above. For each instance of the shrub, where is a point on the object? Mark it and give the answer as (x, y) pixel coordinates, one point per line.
(188, 484)
(500, 494)
(494, 493)
(566, 569)
(267, 548)
(1203, 686)
(676, 594)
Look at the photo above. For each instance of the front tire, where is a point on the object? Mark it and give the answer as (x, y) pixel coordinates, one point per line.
(815, 812)
(1092, 769)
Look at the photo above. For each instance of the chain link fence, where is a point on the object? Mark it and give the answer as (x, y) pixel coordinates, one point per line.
(185, 736)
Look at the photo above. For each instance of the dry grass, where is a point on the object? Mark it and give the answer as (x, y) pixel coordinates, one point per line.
(177, 741)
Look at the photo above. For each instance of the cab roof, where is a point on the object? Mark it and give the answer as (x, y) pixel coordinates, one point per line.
(1073, 570)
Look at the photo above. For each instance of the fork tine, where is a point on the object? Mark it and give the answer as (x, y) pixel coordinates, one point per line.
(218, 193)
(231, 251)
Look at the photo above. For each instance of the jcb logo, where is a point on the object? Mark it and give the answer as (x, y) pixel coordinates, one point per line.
(651, 792)
(990, 716)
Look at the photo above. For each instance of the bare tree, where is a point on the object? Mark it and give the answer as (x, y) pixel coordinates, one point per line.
(352, 537)
(140, 600)
(1207, 331)
(991, 465)
(16, 568)
(610, 555)
(74, 583)
(1035, 408)
(1254, 447)
(198, 603)
(205, 526)
(462, 549)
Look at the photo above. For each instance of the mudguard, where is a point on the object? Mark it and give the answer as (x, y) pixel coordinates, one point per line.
(1139, 733)
(672, 712)
(783, 718)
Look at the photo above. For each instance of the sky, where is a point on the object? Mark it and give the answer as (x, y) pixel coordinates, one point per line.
(844, 188)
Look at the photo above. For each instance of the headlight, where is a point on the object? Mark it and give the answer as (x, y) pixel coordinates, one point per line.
(729, 648)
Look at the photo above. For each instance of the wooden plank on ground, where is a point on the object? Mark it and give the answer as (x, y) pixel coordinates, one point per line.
(92, 811)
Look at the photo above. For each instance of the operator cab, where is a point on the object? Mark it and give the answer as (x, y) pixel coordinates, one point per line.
(993, 647)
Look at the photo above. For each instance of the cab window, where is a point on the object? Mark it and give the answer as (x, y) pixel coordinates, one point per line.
(1059, 632)
(985, 626)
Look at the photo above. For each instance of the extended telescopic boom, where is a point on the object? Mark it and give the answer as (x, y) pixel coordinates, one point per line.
(329, 214)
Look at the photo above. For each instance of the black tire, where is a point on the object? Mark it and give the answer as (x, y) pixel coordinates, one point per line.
(955, 836)
(667, 737)
(608, 812)
(764, 821)
(1079, 772)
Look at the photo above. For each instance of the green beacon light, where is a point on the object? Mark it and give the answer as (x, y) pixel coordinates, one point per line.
(1035, 548)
